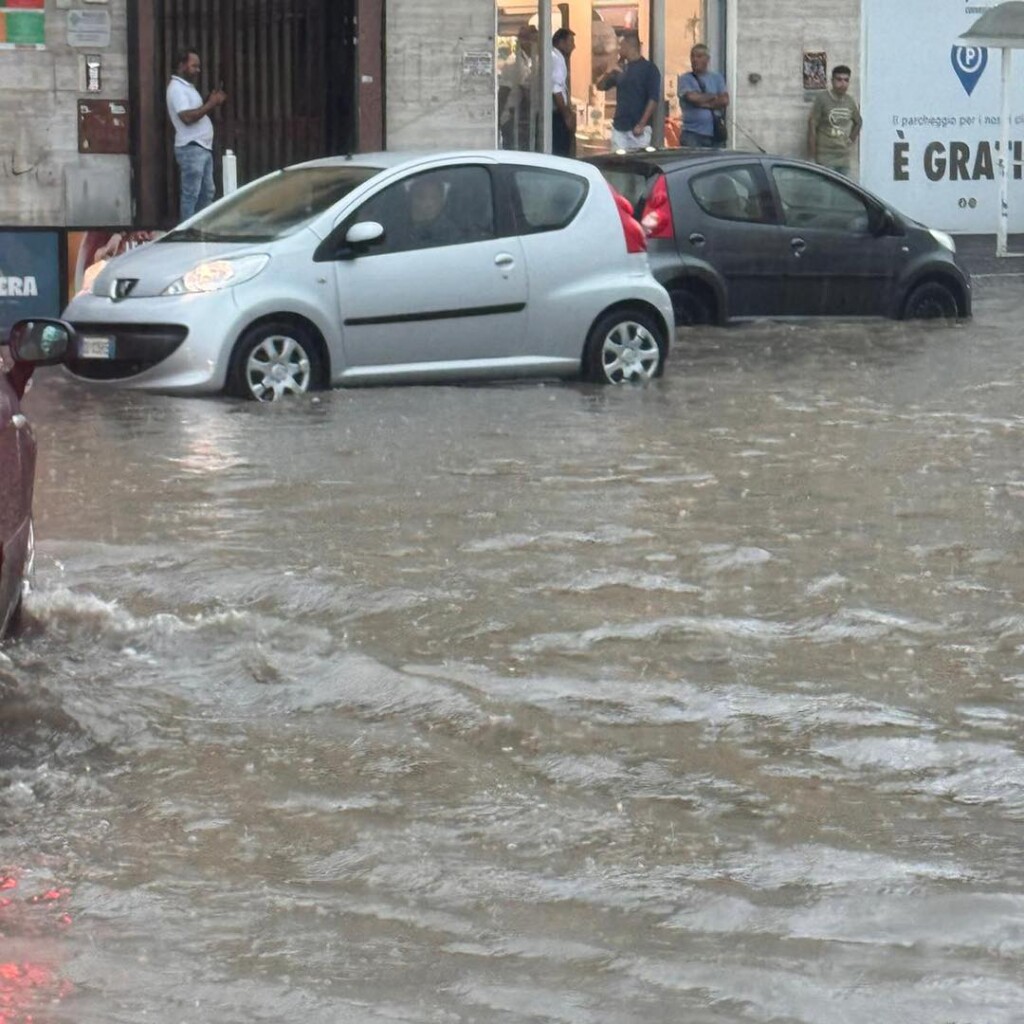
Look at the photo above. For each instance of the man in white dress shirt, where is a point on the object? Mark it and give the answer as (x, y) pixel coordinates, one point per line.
(563, 120)
(193, 132)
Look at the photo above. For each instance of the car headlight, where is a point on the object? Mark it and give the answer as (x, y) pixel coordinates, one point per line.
(213, 275)
(944, 239)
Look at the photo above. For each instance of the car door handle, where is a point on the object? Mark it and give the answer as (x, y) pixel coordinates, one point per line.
(504, 259)
(19, 420)
(797, 245)
(697, 238)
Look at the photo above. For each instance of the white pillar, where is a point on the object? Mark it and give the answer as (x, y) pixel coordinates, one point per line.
(545, 32)
(657, 56)
(1004, 155)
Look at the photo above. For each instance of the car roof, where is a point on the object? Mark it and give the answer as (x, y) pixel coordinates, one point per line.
(669, 160)
(411, 158)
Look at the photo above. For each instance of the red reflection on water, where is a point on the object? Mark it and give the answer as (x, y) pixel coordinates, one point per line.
(29, 984)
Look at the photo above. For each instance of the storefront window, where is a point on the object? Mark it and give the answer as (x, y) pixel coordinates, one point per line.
(598, 26)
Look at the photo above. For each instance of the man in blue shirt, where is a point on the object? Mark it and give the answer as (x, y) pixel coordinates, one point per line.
(637, 85)
(703, 97)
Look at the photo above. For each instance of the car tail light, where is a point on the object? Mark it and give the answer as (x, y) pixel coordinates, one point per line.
(657, 216)
(631, 230)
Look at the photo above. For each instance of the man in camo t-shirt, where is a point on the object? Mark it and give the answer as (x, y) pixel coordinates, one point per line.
(834, 124)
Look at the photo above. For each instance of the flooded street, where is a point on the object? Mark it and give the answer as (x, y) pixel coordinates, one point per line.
(700, 702)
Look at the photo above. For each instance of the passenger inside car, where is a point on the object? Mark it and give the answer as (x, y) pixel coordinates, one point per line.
(431, 221)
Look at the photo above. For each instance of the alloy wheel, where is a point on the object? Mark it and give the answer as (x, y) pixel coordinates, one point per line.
(629, 352)
(276, 367)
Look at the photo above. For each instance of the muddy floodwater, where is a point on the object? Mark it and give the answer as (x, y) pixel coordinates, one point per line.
(698, 702)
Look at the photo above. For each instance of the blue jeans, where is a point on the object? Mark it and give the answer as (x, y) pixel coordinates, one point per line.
(196, 165)
(694, 140)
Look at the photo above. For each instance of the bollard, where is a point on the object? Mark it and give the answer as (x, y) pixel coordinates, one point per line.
(230, 172)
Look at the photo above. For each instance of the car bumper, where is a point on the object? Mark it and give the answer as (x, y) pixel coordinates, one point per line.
(166, 343)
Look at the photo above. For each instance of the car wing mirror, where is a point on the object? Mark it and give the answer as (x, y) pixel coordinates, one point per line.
(41, 342)
(885, 223)
(364, 234)
(356, 240)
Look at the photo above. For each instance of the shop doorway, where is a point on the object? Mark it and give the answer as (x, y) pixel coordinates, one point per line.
(598, 25)
(291, 69)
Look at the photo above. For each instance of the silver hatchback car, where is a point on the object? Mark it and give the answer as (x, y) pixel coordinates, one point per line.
(383, 268)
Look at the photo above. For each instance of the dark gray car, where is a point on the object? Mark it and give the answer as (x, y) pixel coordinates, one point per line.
(733, 234)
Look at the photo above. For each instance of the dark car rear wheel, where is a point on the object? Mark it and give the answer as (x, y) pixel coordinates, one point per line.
(624, 345)
(931, 300)
(273, 360)
(690, 307)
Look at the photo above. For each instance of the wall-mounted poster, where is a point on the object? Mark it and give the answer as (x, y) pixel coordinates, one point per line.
(815, 69)
(30, 275)
(933, 116)
(22, 24)
(89, 252)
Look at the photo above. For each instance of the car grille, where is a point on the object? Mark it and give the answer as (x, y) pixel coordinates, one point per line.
(137, 347)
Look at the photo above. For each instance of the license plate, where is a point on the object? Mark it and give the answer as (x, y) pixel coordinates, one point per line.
(97, 346)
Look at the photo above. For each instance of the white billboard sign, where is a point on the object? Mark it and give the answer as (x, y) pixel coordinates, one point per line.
(931, 106)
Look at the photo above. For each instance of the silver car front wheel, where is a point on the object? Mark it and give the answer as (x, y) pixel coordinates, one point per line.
(274, 360)
(624, 346)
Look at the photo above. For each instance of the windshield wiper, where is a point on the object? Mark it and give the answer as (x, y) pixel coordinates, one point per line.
(199, 235)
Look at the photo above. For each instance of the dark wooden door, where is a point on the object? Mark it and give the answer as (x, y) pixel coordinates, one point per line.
(291, 72)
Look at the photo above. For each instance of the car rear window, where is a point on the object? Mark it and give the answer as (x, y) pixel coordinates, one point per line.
(546, 200)
(632, 182)
(276, 206)
(732, 193)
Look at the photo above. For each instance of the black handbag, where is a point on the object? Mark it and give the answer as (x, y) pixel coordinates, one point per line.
(719, 129)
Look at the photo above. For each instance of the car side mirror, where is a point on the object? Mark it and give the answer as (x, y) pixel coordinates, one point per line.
(41, 342)
(884, 223)
(364, 234)
(355, 242)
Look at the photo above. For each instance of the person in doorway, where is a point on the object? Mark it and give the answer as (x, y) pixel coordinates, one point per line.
(637, 85)
(834, 125)
(704, 99)
(515, 92)
(563, 119)
(193, 132)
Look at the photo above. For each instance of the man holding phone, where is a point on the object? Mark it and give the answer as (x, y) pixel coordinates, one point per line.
(637, 85)
(193, 132)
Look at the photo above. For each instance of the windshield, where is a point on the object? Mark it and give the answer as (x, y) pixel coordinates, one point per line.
(276, 207)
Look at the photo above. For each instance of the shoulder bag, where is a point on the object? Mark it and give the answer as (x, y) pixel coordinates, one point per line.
(719, 129)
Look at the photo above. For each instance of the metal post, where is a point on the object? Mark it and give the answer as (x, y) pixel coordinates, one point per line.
(657, 56)
(543, 72)
(1004, 155)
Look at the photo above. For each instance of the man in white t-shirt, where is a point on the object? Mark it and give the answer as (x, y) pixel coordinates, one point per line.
(563, 120)
(193, 132)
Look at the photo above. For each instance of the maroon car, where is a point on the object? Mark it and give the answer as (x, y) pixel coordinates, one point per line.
(32, 343)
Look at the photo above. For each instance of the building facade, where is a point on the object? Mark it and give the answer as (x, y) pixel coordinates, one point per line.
(85, 139)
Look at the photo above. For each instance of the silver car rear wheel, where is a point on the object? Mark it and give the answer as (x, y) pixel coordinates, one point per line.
(275, 360)
(625, 345)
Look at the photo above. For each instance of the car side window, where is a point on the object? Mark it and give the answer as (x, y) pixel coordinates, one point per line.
(733, 193)
(813, 200)
(447, 206)
(545, 200)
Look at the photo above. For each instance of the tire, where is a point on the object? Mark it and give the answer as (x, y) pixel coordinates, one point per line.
(690, 307)
(931, 300)
(273, 360)
(624, 345)
(17, 619)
